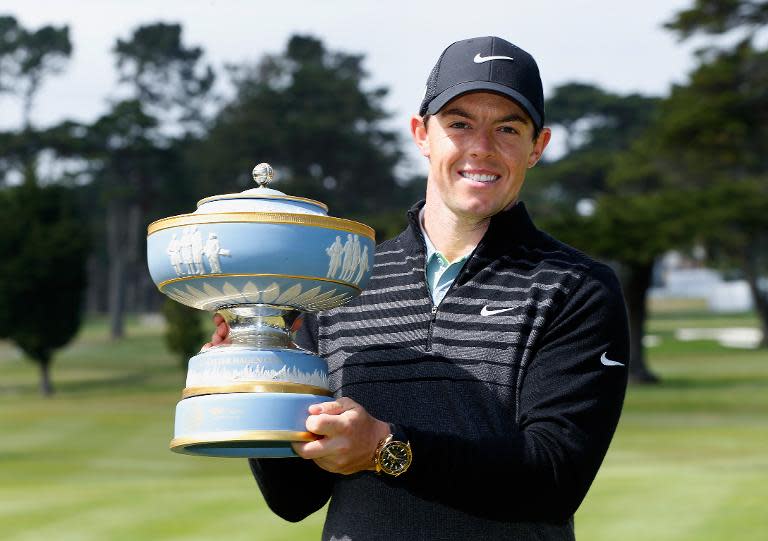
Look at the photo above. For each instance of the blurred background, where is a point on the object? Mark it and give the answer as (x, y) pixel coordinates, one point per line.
(114, 114)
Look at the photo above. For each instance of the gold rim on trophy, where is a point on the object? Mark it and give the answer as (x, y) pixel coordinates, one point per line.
(257, 387)
(208, 438)
(328, 222)
(270, 196)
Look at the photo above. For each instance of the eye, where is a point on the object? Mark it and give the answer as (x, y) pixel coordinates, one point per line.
(459, 125)
(508, 129)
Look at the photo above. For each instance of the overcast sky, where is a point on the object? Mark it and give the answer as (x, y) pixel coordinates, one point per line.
(619, 45)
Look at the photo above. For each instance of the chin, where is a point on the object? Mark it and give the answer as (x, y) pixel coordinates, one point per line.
(480, 211)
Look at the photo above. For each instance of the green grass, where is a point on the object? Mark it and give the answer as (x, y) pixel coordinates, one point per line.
(92, 463)
(689, 461)
(690, 458)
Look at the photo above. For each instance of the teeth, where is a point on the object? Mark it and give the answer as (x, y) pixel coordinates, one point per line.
(478, 177)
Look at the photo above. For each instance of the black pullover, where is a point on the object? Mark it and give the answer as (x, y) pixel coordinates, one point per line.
(509, 391)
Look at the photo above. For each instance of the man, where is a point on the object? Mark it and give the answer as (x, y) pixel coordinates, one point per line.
(480, 376)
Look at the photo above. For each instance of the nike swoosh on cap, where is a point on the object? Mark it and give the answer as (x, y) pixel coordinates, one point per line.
(480, 59)
(607, 362)
(485, 311)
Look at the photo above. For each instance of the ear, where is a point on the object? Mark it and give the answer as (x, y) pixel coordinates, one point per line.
(538, 147)
(419, 134)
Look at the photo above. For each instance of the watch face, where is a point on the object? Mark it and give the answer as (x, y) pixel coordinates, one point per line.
(395, 457)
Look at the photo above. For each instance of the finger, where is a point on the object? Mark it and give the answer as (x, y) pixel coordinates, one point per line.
(334, 407)
(206, 346)
(311, 449)
(323, 424)
(298, 447)
(336, 424)
(222, 329)
(297, 323)
(315, 409)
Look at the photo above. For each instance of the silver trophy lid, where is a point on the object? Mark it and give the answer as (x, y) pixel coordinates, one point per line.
(261, 199)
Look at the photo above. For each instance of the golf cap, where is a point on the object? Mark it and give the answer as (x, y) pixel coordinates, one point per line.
(485, 64)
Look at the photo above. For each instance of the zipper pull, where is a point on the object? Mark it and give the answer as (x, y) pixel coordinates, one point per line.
(434, 310)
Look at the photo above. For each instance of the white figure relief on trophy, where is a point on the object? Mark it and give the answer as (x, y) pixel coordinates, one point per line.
(363, 266)
(348, 262)
(197, 251)
(213, 250)
(334, 251)
(186, 251)
(174, 252)
(186, 254)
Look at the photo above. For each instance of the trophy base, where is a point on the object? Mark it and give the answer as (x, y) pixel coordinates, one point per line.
(239, 425)
(248, 444)
(250, 398)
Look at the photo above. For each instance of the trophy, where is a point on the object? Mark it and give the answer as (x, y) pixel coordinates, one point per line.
(259, 258)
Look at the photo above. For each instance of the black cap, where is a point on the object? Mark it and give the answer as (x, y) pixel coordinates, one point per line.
(491, 64)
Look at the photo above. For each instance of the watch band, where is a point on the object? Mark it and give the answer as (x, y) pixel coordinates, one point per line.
(377, 452)
(397, 432)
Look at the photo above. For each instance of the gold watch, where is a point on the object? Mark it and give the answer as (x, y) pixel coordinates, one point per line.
(392, 456)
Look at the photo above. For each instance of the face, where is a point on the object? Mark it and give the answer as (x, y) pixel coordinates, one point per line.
(479, 147)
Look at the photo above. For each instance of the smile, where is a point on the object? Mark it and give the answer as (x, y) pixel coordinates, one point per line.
(479, 177)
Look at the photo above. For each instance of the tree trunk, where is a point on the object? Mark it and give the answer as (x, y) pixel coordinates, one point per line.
(96, 288)
(116, 250)
(132, 245)
(46, 388)
(759, 297)
(637, 281)
(29, 162)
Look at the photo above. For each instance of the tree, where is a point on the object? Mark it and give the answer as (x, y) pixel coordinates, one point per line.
(165, 75)
(608, 194)
(137, 147)
(27, 57)
(306, 112)
(716, 126)
(642, 215)
(42, 285)
(184, 331)
(717, 17)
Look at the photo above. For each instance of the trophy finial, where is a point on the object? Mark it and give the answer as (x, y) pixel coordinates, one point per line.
(263, 174)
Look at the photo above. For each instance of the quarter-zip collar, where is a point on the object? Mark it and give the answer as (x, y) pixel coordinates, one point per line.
(509, 228)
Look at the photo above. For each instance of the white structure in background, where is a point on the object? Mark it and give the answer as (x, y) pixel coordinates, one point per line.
(701, 283)
(732, 337)
(730, 297)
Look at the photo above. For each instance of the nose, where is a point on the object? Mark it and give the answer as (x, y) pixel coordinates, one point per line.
(481, 144)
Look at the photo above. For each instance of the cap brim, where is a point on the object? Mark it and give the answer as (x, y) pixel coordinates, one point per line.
(455, 91)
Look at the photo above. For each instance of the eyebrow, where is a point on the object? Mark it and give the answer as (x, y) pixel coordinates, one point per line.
(514, 117)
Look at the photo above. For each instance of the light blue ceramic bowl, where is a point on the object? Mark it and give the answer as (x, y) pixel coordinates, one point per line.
(224, 254)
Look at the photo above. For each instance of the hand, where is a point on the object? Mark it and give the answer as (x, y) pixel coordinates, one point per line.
(220, 335)
(350, 436)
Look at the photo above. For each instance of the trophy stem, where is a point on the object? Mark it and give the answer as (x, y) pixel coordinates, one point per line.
(260, 326)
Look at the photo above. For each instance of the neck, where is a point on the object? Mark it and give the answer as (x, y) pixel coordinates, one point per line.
(452, 235)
